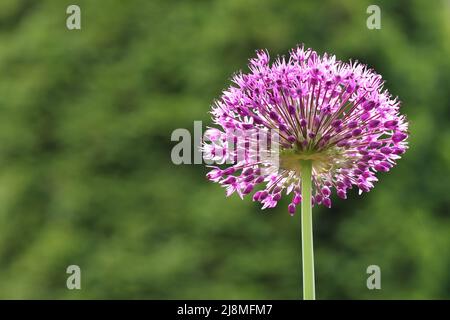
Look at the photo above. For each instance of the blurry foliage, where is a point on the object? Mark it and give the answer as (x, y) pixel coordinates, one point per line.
(85, 170)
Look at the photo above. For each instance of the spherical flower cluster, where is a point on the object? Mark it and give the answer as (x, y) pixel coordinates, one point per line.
(335, 114)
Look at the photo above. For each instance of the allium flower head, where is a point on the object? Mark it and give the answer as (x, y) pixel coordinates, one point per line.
(335, 114)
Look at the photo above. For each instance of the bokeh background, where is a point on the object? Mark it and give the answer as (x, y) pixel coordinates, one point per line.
(85, 170)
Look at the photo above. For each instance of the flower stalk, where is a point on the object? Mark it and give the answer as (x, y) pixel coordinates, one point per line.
(309, 292)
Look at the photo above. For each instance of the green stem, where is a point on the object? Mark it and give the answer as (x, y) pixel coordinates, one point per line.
(307, 233)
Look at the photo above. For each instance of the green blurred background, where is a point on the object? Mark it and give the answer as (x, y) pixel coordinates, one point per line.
(85, 170)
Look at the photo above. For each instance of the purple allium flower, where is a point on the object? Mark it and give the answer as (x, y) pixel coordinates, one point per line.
(333, 113)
